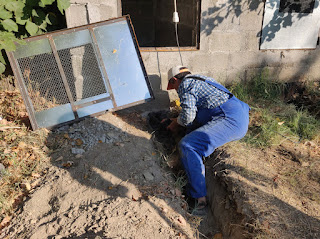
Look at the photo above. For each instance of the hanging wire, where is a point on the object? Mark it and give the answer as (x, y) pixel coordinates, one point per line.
(176, 29)
(177, 38)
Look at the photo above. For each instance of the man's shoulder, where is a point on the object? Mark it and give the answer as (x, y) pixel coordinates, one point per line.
(198, 77)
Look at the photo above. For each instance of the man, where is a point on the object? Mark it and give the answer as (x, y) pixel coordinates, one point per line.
(213, 116)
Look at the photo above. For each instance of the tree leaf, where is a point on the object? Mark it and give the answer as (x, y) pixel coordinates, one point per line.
(7, 40)
(8, 45)
(4, 2)
(32, 28)
(39, 32)
(48, 19)
(4, 14)
(63, 5)
(51, 19)
(34, 13)
(20, 21)
(47, 2)
(10, 25)
(2, 68)
(43, 26)
(15, 6)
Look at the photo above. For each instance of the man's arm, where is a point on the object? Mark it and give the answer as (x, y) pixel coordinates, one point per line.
(189, 110)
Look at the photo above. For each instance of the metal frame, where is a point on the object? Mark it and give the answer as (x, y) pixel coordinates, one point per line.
(24, 92)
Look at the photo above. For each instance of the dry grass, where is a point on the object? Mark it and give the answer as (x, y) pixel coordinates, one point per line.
(280, 186)
(21, 153)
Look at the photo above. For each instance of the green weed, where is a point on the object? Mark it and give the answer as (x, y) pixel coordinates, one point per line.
(271, 119)
(181, 181)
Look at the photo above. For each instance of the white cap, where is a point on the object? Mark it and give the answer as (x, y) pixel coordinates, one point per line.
(176, 70)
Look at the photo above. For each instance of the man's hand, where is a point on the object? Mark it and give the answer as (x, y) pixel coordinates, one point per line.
(174, 126)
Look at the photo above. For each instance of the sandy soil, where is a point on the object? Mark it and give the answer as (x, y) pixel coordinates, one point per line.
(114, 187)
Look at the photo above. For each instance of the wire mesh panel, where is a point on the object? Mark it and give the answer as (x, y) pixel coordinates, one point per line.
(43, 81)
(82, 71)
(78, 72)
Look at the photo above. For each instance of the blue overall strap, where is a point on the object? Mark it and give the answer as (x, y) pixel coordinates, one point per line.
(217, 85)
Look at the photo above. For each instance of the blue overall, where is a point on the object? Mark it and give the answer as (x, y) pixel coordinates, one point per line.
(215, 127)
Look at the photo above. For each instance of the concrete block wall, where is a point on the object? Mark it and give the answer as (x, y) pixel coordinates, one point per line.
(229, 43)
(82, 12)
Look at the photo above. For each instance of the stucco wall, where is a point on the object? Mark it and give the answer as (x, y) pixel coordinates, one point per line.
(229, 42)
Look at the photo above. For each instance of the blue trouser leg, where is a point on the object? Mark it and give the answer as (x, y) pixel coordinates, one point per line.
(228, 123)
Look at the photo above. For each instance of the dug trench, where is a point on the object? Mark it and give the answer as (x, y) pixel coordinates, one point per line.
(261, 193)
(223, 213)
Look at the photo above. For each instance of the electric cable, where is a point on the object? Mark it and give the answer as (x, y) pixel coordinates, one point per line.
(176, 20)
(177, 38)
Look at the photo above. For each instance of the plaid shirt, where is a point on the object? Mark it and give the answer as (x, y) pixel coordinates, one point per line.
(194, 94)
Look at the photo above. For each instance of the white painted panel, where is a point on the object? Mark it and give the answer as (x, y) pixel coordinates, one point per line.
(289, 30)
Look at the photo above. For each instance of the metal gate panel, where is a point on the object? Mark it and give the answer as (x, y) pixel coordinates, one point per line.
(73, 73)
(116, 46)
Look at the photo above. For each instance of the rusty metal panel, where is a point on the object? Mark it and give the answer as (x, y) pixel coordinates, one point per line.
(290, 24)
(73, 73)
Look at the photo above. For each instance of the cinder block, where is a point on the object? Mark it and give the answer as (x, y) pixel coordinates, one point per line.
(299, 56)
(101, 12)
(241, 60)
(252, 41)
(227, 41)
(313, 73)
(220, 15)
(105, 2)
(288, 73)
(76, 15)
(235, 75)
(204, 42)
(211, 62)
(150, 61)
(213, 21)
(251, 20)
(219, 75)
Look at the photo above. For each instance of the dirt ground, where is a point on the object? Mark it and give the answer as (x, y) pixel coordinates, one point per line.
(273, 193)
(108, 177)
(105, 180)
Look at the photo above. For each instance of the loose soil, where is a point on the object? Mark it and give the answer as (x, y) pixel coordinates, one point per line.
(110, 177)
(115, 189)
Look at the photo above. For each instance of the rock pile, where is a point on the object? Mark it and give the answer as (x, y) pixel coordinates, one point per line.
(91, 131)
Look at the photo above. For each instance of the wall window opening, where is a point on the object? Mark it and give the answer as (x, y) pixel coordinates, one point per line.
(152, 21)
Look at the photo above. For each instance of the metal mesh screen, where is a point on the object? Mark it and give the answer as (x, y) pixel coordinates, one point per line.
(43, 81)
(70, 74)
(82, 71)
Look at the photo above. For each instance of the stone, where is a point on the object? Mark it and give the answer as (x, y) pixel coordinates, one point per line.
(78, 156)
(148, 176)
(77, 151)
(26, 186)
(64, 128)
(59, 159)
(2, 168)
(103, 139)
(305, 164)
